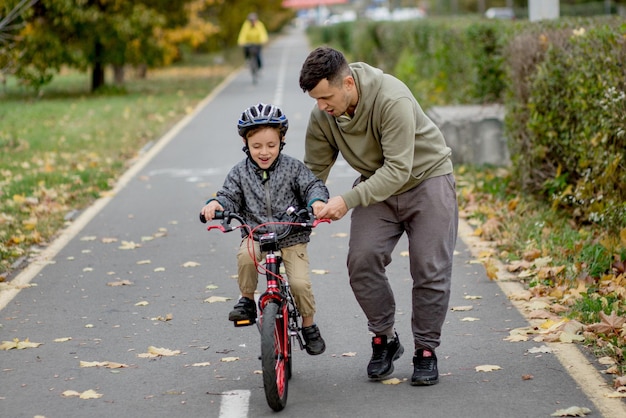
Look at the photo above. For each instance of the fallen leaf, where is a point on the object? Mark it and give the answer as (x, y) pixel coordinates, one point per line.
(404, 253)
(88, 394)
(206, 363)
(542, 349)
(159, 269)
(516, 338)
(128, 245)
(158, 352)
(191, 264)
(610, 324)
(62, 340)
(228, 359)
(140, 262)
(165, 318)
(470, 297)
(108, 240)
(88, 238)
(462, 308)
(392, 381)
(572, 411)
(17, 344)
(214, 299)
(142, 303)
(488, 368)
(318, 271)
(124, 282)
(469, 319)
(349, 354)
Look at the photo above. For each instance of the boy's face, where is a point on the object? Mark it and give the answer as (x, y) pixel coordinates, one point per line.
(264, 146)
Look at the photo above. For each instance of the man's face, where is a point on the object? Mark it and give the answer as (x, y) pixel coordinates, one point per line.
(335, 100)
(264, 146)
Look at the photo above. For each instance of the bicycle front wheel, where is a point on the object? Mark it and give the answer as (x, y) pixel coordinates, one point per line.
(275, 355)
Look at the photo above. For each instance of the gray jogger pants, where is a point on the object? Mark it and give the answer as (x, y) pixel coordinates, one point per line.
(429, 216)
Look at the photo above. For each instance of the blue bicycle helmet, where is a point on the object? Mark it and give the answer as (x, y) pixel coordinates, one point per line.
(262, 115)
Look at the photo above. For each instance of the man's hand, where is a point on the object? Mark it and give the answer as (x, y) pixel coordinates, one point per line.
(334, 209)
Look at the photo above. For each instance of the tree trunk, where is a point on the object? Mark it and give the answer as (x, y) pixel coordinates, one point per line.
(118, 71)
(97, 74)
(142, 71)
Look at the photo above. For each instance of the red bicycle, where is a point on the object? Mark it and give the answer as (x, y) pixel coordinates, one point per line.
(280, 321)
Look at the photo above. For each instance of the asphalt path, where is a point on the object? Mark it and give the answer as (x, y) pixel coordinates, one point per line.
(136, 270)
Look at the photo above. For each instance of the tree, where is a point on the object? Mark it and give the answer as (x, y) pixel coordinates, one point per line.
(91, 34)
(10, 25)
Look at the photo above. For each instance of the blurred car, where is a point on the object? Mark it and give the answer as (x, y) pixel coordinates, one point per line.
(506, 13)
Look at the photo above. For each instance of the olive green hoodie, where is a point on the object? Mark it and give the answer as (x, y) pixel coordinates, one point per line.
(390, 141)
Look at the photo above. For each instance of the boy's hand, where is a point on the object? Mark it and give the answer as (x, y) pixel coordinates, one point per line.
(209, 210)
(335, 209)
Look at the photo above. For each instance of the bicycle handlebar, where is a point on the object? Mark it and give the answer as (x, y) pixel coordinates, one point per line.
(303, 217)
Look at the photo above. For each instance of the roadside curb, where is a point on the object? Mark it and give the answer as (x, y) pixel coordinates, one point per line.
(573, 360)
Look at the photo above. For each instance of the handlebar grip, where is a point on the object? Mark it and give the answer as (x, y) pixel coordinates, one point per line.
(218, 215)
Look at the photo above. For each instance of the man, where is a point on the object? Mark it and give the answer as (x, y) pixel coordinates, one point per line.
(406, 185)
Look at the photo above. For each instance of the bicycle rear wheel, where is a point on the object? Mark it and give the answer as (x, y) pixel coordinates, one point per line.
(275, 355)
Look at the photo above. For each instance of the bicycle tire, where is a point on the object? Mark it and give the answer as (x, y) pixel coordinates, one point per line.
(254, 68)
(275, 355)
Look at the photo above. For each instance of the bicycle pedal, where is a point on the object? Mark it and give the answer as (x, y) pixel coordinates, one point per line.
(244, 323)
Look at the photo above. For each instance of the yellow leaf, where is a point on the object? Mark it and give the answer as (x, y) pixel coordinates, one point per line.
(318, 271)
(120, 283)
(159, 269)
(206, 363)
(19, 198)
(488, 368)
(462, 308)
(90, 394)
(572, 411)
(62, 340)
(191, 264)
(229, 359)
(140, 262)
(622, 236)
(470, 319)
(468, 297)
(392, 381)
(162, 351)
(404, 253)
(70, 393)
(349, 354)
(516, 338)
(92, 363)
(491, 269)
(142, 303)
(128, 245)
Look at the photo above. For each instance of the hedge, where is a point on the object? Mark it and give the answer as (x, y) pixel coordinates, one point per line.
(562, 82)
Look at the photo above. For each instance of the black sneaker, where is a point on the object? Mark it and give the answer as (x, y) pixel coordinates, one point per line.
(243, 313)
(313, 339)
(383, 355)
(425, 371)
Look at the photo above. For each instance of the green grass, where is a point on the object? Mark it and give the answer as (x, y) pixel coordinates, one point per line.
(62, 148)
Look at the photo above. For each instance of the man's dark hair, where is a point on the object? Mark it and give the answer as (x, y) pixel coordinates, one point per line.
(323, 62)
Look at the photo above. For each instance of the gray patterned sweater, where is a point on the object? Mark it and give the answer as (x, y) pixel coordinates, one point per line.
(261, 196)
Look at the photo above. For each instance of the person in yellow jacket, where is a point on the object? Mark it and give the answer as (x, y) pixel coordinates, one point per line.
(252, 36)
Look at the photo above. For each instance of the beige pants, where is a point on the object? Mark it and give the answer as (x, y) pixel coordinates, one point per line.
(296, 262)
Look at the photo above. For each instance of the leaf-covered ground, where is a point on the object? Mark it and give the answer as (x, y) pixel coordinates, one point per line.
(573, 274)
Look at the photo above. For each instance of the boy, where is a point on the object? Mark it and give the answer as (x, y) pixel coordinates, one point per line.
(260, 189)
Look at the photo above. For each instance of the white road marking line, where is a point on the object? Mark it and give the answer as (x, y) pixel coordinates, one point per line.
(235, 404)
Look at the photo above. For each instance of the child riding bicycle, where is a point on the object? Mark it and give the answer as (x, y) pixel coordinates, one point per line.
(260, 189)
